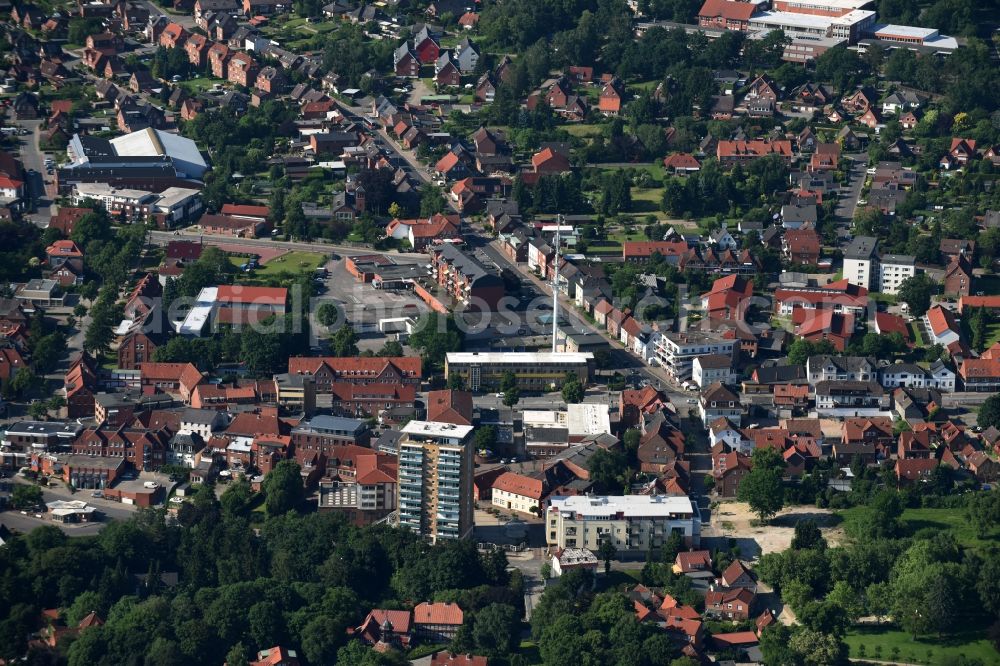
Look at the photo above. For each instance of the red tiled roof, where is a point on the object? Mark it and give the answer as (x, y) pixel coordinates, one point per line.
(252, 295)
(695, 560)
(733, 572)
(980, 368)
(240, 210)
(736, 638)
(64, 248)
(717, 597)
(989, 302)
(348, 392)
(727, 9)
(518, 484)
(166, 371)
(446, 163)
(648, 248)
(941, 320)
(449, 406)
(681, 161)
(913, 469)
(816, 322)
(375, 468)
(754, 148)
(887, 323)
(274, 657)
(252, 424)
(8, 183)
(854, 428)
(439, 613)
(549, 156)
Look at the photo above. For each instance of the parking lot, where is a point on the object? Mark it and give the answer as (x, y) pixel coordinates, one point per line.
(363, 305)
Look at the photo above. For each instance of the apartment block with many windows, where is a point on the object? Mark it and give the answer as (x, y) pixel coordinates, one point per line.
(634, 524)
(435, 479)
(676, 352)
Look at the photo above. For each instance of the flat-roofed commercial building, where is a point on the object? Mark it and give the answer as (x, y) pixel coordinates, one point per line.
(852, 25)
(435, 479)
(534, 371)
(634, 524)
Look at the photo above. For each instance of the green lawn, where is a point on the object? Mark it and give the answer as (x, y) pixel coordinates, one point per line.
(952, 520)
(645, 86)
(879, 297)
(529, 650)
(617, 579)
(646, 200)
(916, 333)
(583, 130)
(925, 650)
(992, 334)
(199, 85)
(289, 265)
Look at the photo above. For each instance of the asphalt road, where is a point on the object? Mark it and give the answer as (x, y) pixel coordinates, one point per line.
(16, 521)
(405, 158)
(191, 233)
(848, 202)
(33, 159)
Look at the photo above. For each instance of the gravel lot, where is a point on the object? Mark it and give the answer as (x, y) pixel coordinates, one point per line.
(734, 520)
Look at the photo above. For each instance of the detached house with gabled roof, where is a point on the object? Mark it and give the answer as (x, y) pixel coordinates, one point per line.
(446, 72)
(942, 327)
(405, 62)
(196, 48)
(426, 47)
(242, 69)
(719, 401)
(612, 97)
(173, 36)
(218, 58)
(731, 604)
(961, 152)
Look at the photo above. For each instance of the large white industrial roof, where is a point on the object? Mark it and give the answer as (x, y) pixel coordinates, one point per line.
(151, 142)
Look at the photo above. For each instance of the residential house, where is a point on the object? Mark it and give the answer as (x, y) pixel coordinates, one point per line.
(549, 161)
(242, 69)
(612, 96)
(728, 298)
(850, 397)
(197, 47)
(446, 71)
(466, 56)
(729, 604)
(682, 163)
(958, 277)
(405, 62)
(426, 47)
(824, 367)
(802, 246)
(719, 401)
(941, 326)
(961, 152)
(173, 36)
(712, 368)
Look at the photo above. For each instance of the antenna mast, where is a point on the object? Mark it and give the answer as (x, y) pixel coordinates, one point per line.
(555, 288)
